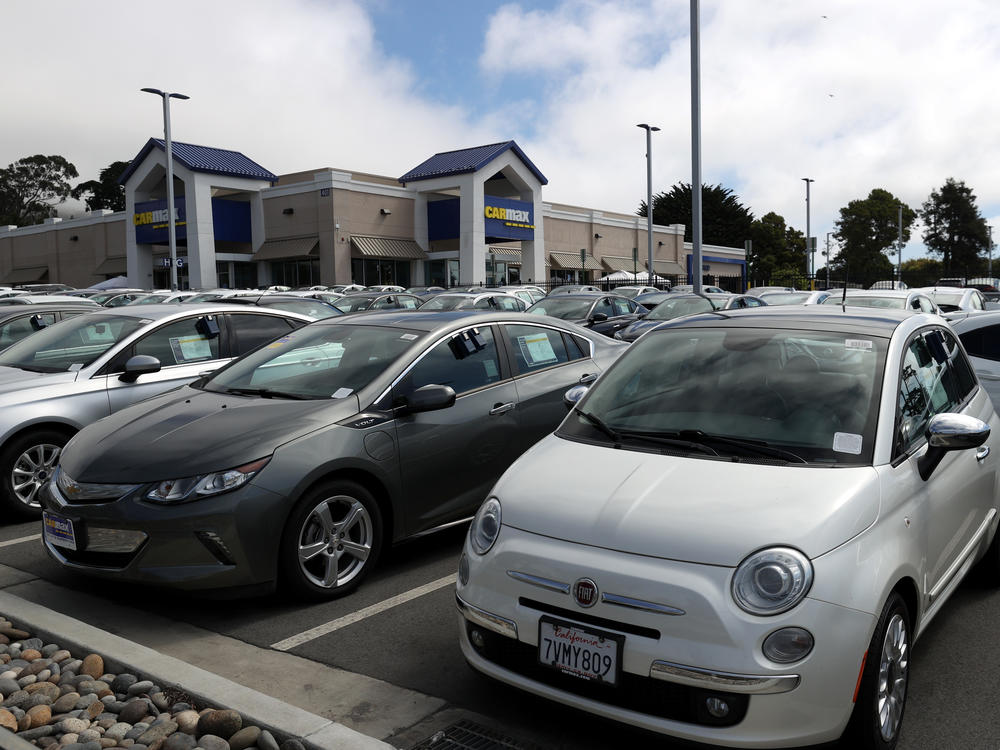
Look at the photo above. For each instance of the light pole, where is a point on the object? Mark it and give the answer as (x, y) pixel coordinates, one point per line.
(989, 268)
(899, 254)
(808, 181)
(172, 228)
(827, 253)
(649, 196)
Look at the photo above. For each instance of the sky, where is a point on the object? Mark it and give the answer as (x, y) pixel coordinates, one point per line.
(853, 94)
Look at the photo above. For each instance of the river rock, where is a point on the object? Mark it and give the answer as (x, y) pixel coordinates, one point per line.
(292, 744)
(221, 723)
(179, 741)
(211, 742)
(14, 634)
(60, 656)
(244, 738)
(30, 654)
(65, 702)
(37, 667)
(93, 665)
(133, 711)
(266, 741)
(69, 739)
(73, 725)
(17, 699)
(117, 731)
(94, 710)
(187, 721)
(156, 731)
(143, 686)
(27, 680)
(40, 715)
(43, 688)
(86, 699)
(8, 685)
(33, 733)
(89, 735)
(123, 682)
(38, 699)
(160, 700)
(136, 730)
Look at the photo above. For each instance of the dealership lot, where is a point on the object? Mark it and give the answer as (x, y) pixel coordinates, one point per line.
(401, 629)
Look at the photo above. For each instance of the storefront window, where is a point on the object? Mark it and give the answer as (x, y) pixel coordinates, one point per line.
(295, 273)
(372, 271)
(442, 272)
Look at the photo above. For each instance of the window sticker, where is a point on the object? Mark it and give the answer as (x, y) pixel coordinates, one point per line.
(408, 337)
(537, 349)
(491, 368)
(342, 393)
(858, 344)
(847, 442)
(278, 343)
(76, 366)
(190, 348)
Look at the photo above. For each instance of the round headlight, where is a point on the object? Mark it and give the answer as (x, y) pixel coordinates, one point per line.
(772, 581)
(485, 526)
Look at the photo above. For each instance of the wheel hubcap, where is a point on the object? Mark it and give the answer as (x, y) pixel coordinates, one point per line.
(893, 668)
(335, 541)
(32, 470)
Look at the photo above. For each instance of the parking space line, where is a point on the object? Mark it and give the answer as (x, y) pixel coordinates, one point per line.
(32, 538)
(342, 622)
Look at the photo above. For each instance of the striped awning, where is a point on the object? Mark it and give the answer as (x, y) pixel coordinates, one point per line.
(300, 247)
(111, 266)
(572, 261)
(25, 275)
(619, 263)
(386, 247)
(511, 255)
(666, 267)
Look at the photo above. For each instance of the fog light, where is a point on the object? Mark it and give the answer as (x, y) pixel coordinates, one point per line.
(477, 639)
(787, 645)
(463, 569)
(717, 707)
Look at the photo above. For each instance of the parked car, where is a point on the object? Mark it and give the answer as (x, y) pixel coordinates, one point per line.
(573, 289)
(469, 301)
(979, 333)
(889, 285)
(426, 291)
(103, 297)
(45, 288)
(634, 291)
(679, 305)
(384, 288)
(164, 298)
(20, 321)
(529, 294)
(951, 299)
(603, 313)
(706, 289)
(118, 300)
(777, 603)
(42, 299)
(76, 371)
(361, 301)
(346, 288)
(911, 299)
(216, 295)
(756, 291)
(364, 429)
(314, 309)
(795, 298)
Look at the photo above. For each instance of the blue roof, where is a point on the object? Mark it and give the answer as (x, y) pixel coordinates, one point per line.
(203, 159)
(467, 160)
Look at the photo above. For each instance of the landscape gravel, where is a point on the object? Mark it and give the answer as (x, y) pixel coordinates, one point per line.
(61, 701)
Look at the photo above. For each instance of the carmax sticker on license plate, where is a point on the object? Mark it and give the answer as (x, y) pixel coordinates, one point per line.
(58, 531)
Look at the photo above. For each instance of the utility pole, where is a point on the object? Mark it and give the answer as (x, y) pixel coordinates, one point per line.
(899, 247)
(808, 181)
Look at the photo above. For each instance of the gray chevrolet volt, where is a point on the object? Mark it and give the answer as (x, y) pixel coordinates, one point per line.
(299, 462)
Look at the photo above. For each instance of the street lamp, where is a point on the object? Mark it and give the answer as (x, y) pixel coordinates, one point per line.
(172, 229)
(827, 254)
(649, 196)
(807, 181)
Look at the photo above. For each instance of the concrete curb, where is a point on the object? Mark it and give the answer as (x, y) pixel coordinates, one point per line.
(122, 655)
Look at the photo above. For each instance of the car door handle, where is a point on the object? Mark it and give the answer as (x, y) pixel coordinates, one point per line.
(590, 377)
(501, 408)
(982, 452)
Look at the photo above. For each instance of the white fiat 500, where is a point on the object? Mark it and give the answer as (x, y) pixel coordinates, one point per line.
(739, 532)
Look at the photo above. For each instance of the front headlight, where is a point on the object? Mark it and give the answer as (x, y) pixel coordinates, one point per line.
(618, 335)
(172, 491)
(485, 526)
(772, 581)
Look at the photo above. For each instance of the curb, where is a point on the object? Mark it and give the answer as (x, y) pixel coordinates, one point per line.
(278, 717)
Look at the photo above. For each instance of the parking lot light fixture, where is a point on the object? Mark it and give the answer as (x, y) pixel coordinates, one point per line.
(649, 196)
(807, 180)
(171, 225)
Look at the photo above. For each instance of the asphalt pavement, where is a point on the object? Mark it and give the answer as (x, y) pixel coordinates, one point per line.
(384, 661)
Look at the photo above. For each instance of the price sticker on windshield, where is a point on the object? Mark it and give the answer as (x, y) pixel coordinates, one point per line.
(859, 345)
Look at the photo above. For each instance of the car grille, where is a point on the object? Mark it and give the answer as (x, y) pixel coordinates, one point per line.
(600, 622)
(643, 694)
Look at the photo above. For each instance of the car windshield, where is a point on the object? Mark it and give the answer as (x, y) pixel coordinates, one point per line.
(567, 309)
(749, 394)
(353, 304)
(70, 344)
(312, 308)
(678, 306)
(444, 302)
(315, 362)
(896, 303)
(204, 297)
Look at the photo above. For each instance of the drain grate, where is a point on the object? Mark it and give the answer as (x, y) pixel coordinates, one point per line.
(467, 735)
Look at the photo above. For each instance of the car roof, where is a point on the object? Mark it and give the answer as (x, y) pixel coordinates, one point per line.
(158, 312)
(10, 311)
(440, 320)
(870, 321)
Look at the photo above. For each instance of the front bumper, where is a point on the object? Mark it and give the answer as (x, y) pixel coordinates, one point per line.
(226, 541)
(671, 663)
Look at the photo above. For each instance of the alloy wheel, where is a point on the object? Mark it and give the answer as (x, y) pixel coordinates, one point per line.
(31, 470)
(335, 541)
(892, 673)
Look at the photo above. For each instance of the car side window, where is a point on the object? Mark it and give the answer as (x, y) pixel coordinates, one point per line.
(179, 343)
(983, 342)
(250, 331)
(509, 304)
(20, 328)
(604, 306)
(925, 305)
(466, 361)
(576, 348)
(977, 302)
(536, 348)
(621, 306)
(408, 303)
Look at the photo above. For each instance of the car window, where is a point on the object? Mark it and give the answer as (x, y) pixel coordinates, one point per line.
(408, 303)
(17, 329)
(70, 344)
(465, 361)
(576, 347)
(621, 306)
(536, 348)
(180, 343)
(925, 305)
(604, 306)
(509, 304)
(935, 378)
(983, 342)
(250, 331)
(977, 301)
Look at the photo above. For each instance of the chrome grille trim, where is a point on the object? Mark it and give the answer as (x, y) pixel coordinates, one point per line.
(630, 603)
(734, 683)
(545, 583)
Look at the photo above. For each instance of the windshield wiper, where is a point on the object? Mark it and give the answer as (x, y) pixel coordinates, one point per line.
(266, 393)
(759, 447)
(657, 439)
(599, 424)
(37, 368)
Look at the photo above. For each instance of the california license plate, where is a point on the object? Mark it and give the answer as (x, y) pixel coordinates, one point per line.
(582, 652)
(58, 530)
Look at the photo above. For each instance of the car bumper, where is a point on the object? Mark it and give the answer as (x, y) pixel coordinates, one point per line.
(226, 541)
(671, 663)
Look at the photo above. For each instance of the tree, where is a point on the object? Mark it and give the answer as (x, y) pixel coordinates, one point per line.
(724, 220)
(955, 230)
(32, 187)
(775, 248)
(104, 192)
(921, 271)
(866, 230)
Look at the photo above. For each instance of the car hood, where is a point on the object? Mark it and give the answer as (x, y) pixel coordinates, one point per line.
(690, 509)
(13, 379)
(639, 327)
(187, 432)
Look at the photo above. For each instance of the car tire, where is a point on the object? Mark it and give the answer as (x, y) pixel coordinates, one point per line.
(988, 569)
(331, 541)
(26, 464)
(881, 701)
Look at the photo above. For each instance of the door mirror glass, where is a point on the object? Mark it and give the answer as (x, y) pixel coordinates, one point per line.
(140, 364)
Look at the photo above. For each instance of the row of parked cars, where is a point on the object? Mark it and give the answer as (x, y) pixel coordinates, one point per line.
(604, 569)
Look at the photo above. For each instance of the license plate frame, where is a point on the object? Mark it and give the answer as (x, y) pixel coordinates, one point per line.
(59, 530)
(552, 631)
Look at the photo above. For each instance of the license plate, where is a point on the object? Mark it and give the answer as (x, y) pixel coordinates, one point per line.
(582, 652)
(58, 530)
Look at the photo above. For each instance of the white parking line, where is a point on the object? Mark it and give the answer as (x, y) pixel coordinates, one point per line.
(361, 614)
(32, 538)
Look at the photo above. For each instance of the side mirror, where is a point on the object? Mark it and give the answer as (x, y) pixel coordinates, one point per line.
(598, 318)
(574, 394)
(140, 364)
(950, 432)
(428, 398)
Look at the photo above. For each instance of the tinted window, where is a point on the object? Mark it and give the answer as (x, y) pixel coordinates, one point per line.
(15, 330)
(983, 342)
(536, 348)
(576, 347)
(509, 303)
(70, 344)
(604, 306)
(621, 306)
(178, 343)
(408, 303)
(452, 363)
(250, 331)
